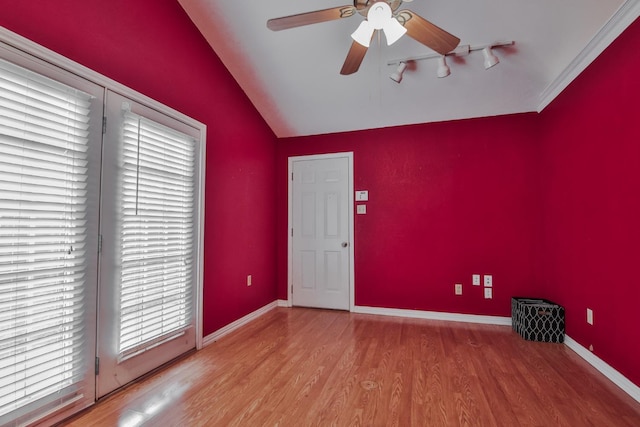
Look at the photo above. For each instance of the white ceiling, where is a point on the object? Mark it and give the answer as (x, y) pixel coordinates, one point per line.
(292, 76)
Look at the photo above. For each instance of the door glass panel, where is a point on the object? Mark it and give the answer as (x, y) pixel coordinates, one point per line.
(149, 228)
(48, 242)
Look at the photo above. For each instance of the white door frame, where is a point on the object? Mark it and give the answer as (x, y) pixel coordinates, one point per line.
(349, 156)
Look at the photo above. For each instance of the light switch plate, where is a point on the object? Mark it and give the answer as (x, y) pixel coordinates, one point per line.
(361, 209)
(476, 280)
(488, 280)
(458, 288)
(488, 293)
(362, 196)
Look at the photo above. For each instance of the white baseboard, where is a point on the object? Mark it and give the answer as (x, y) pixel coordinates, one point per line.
(283, 303)
(605, 369)
(238, 323)
(433, 315)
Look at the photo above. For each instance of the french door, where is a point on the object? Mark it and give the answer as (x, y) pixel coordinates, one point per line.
(100, 240)
(146, 313)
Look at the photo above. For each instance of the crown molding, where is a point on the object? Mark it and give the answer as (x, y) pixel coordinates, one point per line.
(624, 16)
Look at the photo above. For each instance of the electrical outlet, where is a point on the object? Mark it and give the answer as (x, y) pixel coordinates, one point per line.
(488, 280)
(458, 289)
(476, 280)
(249, 280)
(488, 293)
(589, 316)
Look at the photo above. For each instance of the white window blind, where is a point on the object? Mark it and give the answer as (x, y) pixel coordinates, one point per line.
(157, 226)
(43, 254)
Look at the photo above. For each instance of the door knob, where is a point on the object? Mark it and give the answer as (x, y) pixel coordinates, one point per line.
(345, 244)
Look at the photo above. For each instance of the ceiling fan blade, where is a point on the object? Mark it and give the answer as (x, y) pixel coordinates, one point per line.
(427, 33)
(354, 58)
(309, 18)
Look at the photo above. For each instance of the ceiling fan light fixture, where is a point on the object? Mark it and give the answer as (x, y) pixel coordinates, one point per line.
(363, 33)
(490, 59)
(393, 31)
(396, 76)
(379, 17)
(443, 68)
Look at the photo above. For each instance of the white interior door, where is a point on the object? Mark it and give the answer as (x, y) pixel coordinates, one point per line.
(149, 228)
(321, 241)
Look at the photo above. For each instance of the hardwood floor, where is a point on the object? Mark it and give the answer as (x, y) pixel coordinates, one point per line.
(306, 367)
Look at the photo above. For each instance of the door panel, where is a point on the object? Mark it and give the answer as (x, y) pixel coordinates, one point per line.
(50, 154)
(321, 237)
(146, 317)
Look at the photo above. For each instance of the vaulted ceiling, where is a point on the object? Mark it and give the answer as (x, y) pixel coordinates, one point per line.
(293, 76)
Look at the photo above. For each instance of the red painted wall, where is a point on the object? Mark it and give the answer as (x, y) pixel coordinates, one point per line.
(446, 201)
(591, 187)
(152, 47)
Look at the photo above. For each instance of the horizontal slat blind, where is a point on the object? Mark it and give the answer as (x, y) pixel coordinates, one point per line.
(43, 180)
(157, 218)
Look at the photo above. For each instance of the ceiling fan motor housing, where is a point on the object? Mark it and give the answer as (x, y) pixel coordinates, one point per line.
(363, 6)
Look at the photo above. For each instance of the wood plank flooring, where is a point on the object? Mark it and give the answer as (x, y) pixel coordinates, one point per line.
(307, 367)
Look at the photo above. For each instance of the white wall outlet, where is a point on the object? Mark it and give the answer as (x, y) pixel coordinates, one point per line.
(475, 279)
(589, 316)
(361, 209)
(458, 288)
(488, 280)
(249, 280)
(488, 293)
(362, 196)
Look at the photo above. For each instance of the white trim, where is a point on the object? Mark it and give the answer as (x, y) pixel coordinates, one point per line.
(605, 369)
(434, 315)
(350, 184)
(200, 270)
(209, 339)
(624, 16)
(283, 303)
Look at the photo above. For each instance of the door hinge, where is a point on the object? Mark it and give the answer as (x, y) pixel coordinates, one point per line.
(104, 125)
(292, 232)
(99, 243)
(291, 176)
(97, 365)
(291, 289)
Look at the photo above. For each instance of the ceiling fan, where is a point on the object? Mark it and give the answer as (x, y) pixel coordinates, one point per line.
(380, 15)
